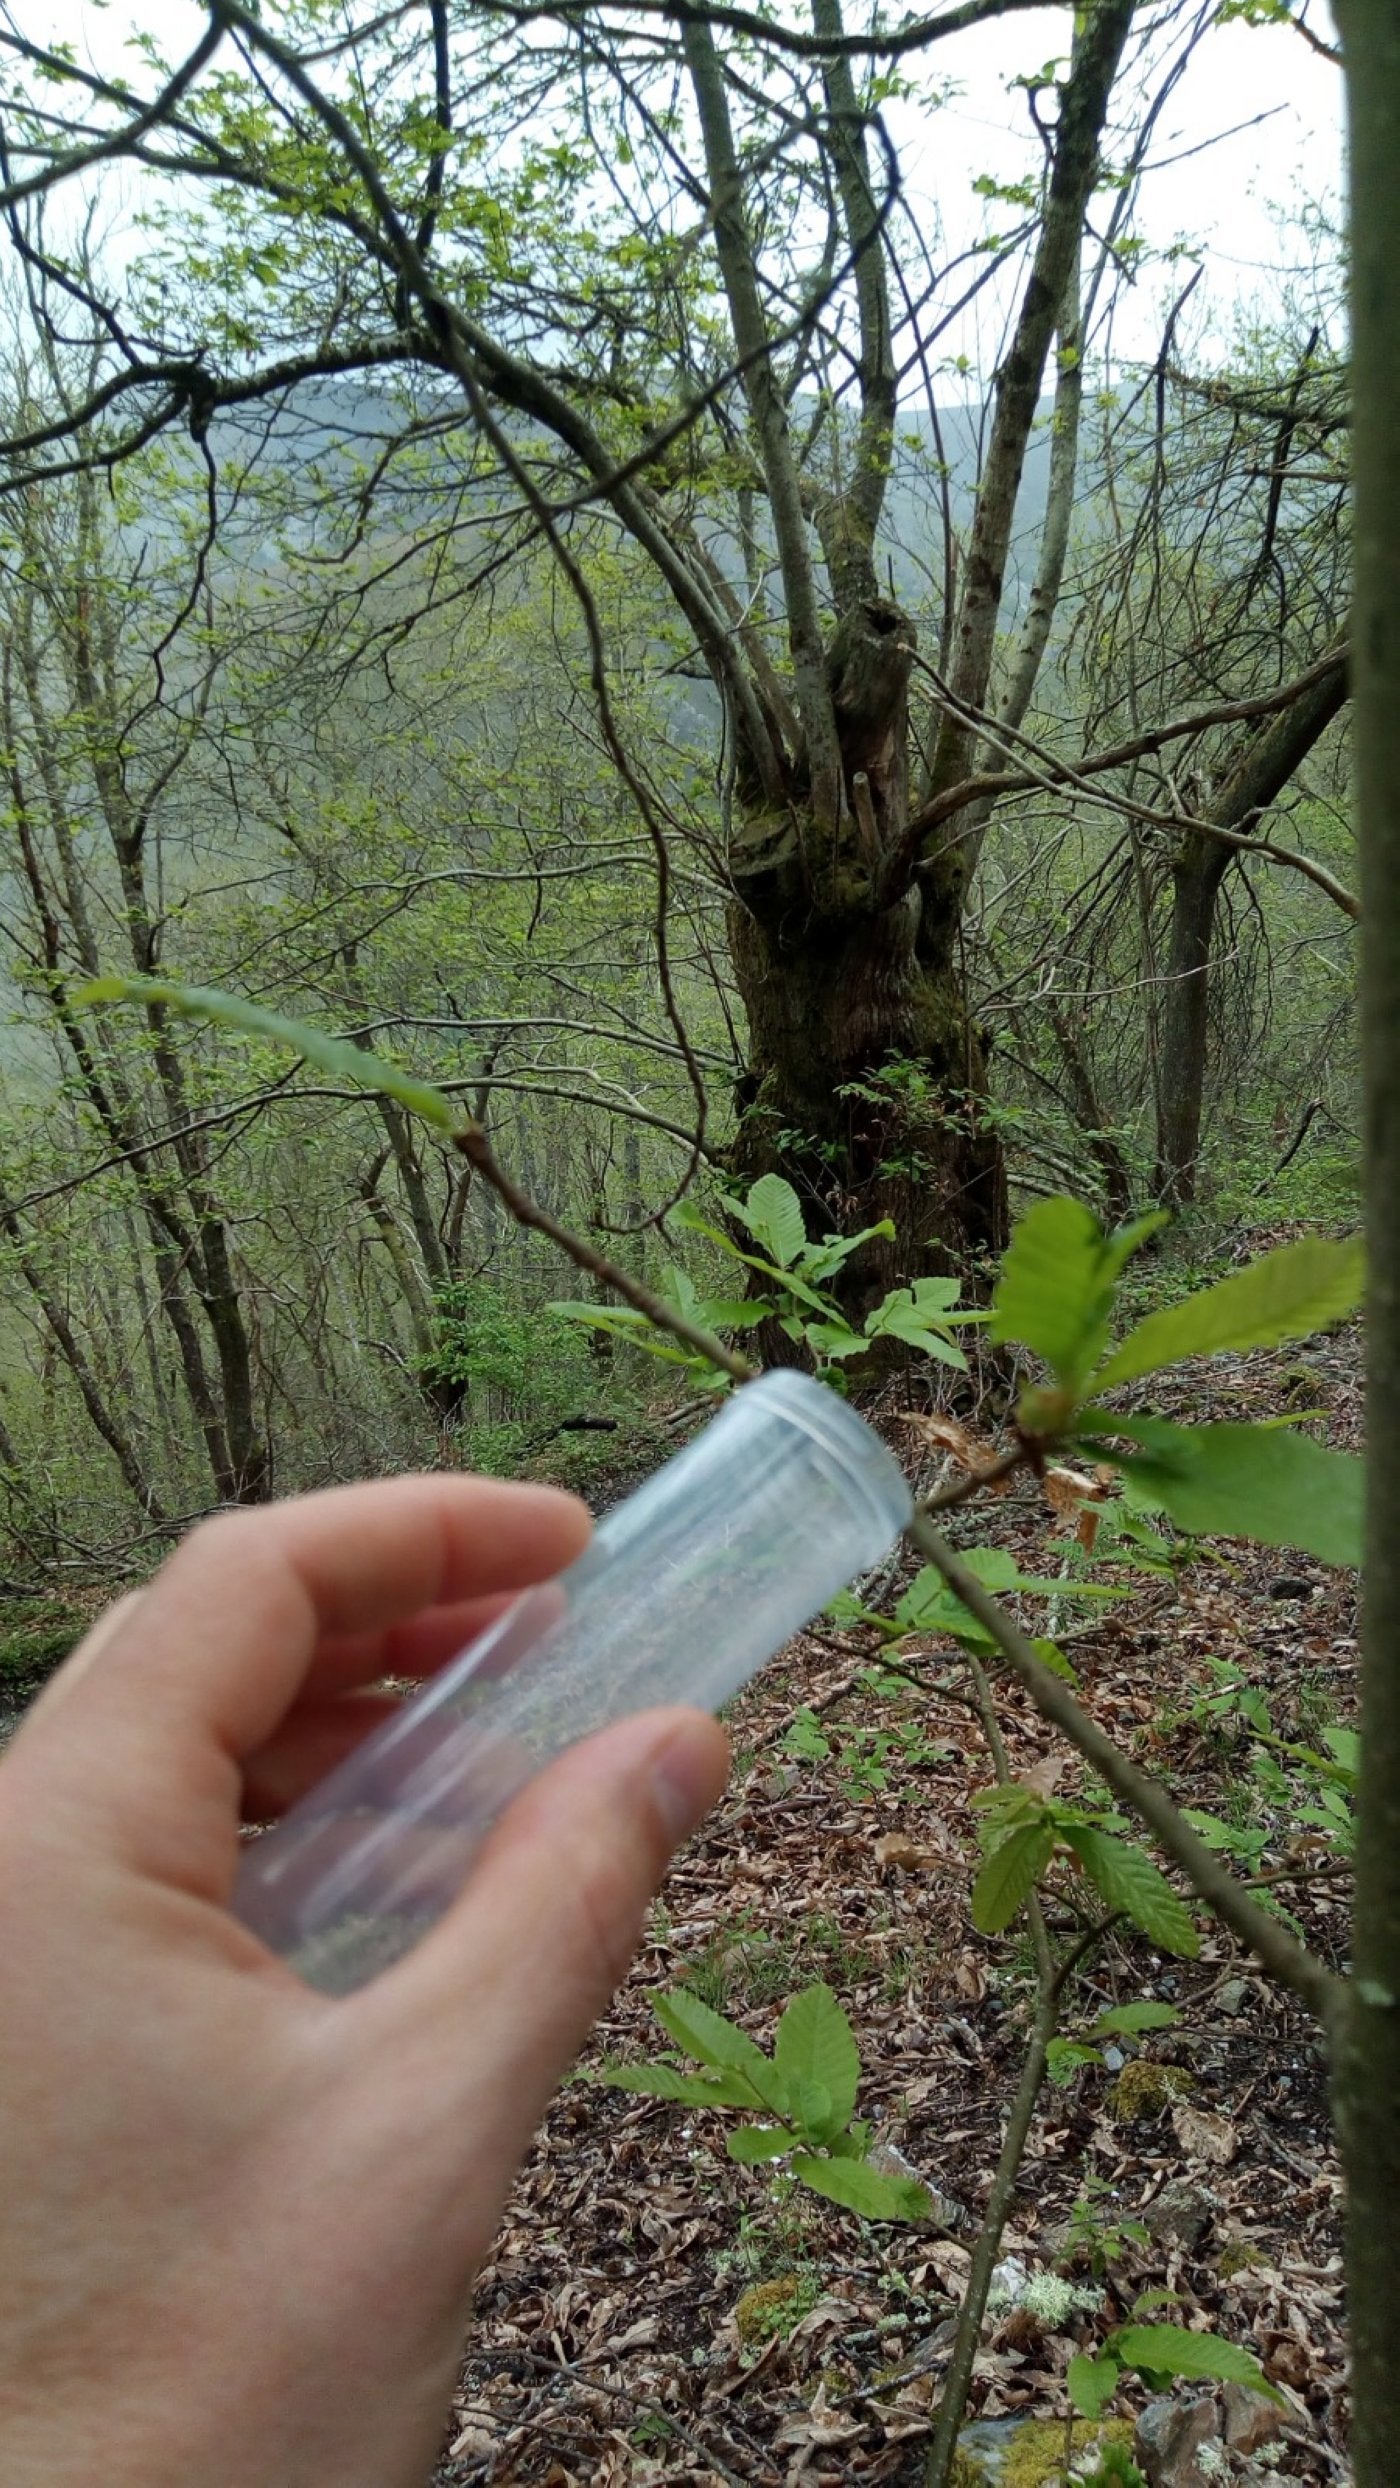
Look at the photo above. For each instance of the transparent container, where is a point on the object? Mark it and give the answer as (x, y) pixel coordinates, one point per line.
(685, 1590)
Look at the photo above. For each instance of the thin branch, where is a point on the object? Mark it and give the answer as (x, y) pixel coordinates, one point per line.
(476, 1148)
(1282, 1955)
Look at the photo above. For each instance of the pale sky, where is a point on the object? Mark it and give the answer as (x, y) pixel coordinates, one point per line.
(1227, 195)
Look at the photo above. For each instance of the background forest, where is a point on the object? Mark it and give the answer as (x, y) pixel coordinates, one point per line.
(681, 703)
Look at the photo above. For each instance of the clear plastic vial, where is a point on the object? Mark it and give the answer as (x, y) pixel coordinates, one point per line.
(686, 1589)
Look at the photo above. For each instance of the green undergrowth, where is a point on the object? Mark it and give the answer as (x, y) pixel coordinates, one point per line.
(36, 1635)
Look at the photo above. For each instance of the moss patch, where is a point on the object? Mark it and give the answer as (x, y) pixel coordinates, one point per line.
(1239, 2256)
(1144, 2090)
(1034, 2455)
(775, 2307)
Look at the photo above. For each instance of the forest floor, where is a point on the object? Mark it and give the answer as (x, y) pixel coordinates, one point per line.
(623, 2331)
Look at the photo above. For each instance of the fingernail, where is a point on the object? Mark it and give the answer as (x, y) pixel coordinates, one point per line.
(687, 1773)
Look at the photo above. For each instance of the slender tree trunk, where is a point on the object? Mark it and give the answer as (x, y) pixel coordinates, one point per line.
(1088, 1107)
(1098, 48)
(1198, 868)
(1367, 2080)
(1257, 777)
(415, 1191)
(61, 1331)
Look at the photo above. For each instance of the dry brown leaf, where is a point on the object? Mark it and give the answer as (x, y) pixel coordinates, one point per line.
(638, 2336)
(894, 1848)
(1066, 1489)
(813, 2433)
(473, 2443)
(1043, 1777)
(946, 1434)
(1203, 2136)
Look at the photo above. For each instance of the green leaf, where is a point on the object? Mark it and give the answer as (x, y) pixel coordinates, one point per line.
(787, 1283)
(1063, 2058)
(699, 2090)
(731, 1312)
(822, 1261)
(1092, 2383)
(597, 1316)
(919, 1326)
(830, 1341)
(1127, 2020)
(773, 1215)
(1287, 1295)
(854, 2143)
(1344, 1745)
(929, 1606)
(1052, 1656)
(752, 2143)
(706, 2035)
(1170, 2350)
(1055, 1291)
(811, 2112)
(859, 2188)
(1231, 1839)
(1243, 1481)
(330, 1054)
(1009, 1873)
(686, 1215)
(1124, 1876)
(816, 2044)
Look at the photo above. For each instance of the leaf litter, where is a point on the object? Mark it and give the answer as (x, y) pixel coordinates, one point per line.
(610, 2342)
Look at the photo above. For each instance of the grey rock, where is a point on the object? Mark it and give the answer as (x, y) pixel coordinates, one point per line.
(1231, 1996)
(1115, 2059)
(944, 2212)
(1251, 2419)
(1170, 2434)
(1179, 2216)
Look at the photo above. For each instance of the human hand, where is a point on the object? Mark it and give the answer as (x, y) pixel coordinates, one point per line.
(240, 2220)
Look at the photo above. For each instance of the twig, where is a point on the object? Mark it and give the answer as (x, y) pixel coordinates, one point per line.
(476, 1147)
(1283, 1957)
(961, 1489)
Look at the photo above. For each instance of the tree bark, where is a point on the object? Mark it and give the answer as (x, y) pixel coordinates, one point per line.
(1199, 866)
(1084, 101)
(1367, 2065)
(113, 1433)
(864, 1079)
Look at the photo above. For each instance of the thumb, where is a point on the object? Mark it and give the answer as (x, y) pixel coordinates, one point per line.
(525, 1962)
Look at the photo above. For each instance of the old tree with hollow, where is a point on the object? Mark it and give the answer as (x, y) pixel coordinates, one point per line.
(668, 274)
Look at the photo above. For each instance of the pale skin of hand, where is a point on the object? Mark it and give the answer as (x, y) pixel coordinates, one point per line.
(240, 2221)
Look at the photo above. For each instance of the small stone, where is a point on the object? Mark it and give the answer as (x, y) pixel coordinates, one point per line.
(944, 2210)
(1251, 2419)
(1179, 2216)
(1289, 1586)
(1115, 2059)
(1169, 2438)
(1230, 1998)
(1008, 2281)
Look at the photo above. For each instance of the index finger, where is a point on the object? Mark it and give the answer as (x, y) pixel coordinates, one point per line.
(212, 1656)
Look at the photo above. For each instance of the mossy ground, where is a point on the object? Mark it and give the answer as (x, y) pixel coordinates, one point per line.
(1035, 2455)
(774, 2307)
(1144, 2090)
